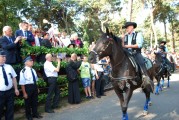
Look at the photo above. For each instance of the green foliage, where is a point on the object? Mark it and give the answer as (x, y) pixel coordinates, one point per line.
(42, 98)
(37, 50)
(19, 102)
(41, 83)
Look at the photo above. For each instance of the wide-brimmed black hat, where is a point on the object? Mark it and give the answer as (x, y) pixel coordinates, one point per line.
(163, 42)
(129, 24)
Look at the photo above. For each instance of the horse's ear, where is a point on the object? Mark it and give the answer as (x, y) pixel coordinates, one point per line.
(101, 31)
(111, 34)
(107, 31)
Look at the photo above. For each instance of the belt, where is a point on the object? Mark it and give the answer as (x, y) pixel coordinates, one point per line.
(51, 77)
(30, 84)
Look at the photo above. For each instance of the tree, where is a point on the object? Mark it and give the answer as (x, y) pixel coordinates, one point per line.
(10, 12)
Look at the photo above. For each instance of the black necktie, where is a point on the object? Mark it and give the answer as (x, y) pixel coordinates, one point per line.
(33, 76)
(5, 75)
(10, 40)
(25, 33)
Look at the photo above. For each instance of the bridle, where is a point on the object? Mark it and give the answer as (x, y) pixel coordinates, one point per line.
(104, 49)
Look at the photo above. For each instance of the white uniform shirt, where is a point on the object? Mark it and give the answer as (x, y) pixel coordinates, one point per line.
(10, 74)
(98, 67)
(26, 76)
(49, 69)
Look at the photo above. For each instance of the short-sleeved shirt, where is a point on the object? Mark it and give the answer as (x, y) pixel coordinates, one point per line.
(85, 70)
(49, 69)
(26, 76)
(10, 75)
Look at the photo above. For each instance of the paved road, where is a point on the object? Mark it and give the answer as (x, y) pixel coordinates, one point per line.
(164, 107)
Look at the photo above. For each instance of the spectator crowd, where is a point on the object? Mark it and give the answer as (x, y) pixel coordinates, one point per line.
(92, 76)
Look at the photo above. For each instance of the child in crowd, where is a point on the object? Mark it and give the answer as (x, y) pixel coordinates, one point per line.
(93, 77)
(85, 76)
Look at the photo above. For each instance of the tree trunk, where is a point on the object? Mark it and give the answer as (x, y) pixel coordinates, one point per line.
(130, 2)
(153, 26)
(151, 39)
(5, 15)
(165, 29)
(173, 39)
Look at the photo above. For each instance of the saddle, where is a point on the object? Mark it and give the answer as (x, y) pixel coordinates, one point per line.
(148, 62)
(132, 60)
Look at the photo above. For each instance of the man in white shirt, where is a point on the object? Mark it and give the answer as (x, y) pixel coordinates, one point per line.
(52, 73)
(99, 71)
(28, 82)
(65, 40)
(8, 84)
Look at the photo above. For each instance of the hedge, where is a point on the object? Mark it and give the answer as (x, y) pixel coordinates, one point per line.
(62, 80)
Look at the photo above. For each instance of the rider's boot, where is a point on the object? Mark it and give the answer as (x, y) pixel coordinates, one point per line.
(147, 82)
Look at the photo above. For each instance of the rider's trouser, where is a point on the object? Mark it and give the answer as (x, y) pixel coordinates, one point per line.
(140, 61)
(168, 64)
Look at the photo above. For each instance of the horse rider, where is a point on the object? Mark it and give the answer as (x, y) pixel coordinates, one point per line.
(133, 42)
(165, 51)
(166, 63)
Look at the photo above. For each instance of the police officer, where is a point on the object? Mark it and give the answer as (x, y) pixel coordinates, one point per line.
(52, 73)
(8, 84)
(133, 42)
(28, 82)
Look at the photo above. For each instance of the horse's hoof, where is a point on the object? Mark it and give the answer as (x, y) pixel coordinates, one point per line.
(145, 113)
(150, 103)
(125, 117)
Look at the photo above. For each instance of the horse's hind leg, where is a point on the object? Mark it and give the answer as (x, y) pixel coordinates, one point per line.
(148, 100)
(168, 84)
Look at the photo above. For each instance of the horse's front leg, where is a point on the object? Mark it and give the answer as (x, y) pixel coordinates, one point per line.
(123, 100)
(128, 95)
(158, 85)
(162, 82)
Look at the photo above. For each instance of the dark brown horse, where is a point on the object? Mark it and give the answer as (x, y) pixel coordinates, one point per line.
(124, 77)
(160, 72)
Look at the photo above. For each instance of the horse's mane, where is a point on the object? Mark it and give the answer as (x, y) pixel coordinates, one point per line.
(118, 40)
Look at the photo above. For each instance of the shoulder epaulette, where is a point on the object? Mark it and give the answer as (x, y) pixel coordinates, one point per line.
(23, 70)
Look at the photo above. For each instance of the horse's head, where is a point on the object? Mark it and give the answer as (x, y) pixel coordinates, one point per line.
(103, 47)
(158, 57)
